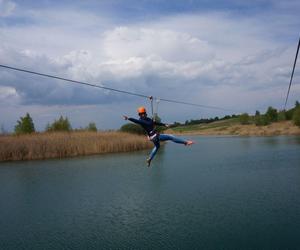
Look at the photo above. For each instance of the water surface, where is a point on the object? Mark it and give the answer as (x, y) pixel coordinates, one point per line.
(221, 193)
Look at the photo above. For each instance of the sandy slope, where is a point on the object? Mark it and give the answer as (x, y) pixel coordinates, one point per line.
(278, 128)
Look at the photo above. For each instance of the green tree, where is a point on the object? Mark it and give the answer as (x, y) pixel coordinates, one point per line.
(62, 124)
(272, 114)
(92, 127)
(25, 125)
(297, 104)
(244, 119)
(296, 116)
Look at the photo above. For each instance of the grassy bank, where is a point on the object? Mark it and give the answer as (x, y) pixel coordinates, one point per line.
(60, 145)
(233, 127)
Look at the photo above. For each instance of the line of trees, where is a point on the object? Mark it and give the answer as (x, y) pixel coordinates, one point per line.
(272, 115)
(25, 125)
(204, 120)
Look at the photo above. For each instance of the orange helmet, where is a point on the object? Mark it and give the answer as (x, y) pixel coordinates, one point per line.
(141, 110)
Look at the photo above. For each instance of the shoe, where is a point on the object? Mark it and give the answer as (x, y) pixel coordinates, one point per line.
(188, 143)
(148, 162)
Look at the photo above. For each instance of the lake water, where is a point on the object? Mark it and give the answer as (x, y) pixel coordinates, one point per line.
(221, 193)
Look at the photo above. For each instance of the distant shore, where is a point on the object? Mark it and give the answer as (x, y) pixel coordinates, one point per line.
(233, 128)
(39, 146)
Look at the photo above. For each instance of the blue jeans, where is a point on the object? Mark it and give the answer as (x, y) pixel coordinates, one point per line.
(164, 137)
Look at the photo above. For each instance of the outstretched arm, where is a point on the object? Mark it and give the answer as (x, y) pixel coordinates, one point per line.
(134, 120)
(161, 124)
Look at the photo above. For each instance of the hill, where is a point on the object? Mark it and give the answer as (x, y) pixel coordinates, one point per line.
(233, 127)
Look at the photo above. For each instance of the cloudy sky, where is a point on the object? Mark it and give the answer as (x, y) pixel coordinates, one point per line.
(233, 54)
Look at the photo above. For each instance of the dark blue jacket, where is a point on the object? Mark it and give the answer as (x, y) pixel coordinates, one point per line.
(147, 124)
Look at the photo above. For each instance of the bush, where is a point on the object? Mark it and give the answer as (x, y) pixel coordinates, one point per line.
(282, 116)
(296, 116)
(62, 124)
(244, 119)
(261, 120)
(25, 125)
(289, 114)
(132, 128)
(92, 127)
(272, 114)
(226, 117)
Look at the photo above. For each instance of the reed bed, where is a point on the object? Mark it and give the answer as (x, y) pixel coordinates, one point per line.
(68, 144)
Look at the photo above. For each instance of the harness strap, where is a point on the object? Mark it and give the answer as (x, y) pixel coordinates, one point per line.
(152, 137)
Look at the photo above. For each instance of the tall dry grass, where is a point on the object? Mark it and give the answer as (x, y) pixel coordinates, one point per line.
(61, 144)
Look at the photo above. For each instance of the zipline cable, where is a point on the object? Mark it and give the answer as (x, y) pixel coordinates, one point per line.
(196, 105)
(288, 92)
(113, 89)
(73, 81)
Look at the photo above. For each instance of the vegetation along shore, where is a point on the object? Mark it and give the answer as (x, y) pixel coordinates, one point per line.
(270, 123)
(59, 140)
(37, 146)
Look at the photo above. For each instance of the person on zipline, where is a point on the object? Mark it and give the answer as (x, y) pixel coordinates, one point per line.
(148, 125)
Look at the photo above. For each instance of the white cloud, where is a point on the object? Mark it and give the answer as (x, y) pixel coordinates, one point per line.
(126, 42)
(8, 95)
(6, 8)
